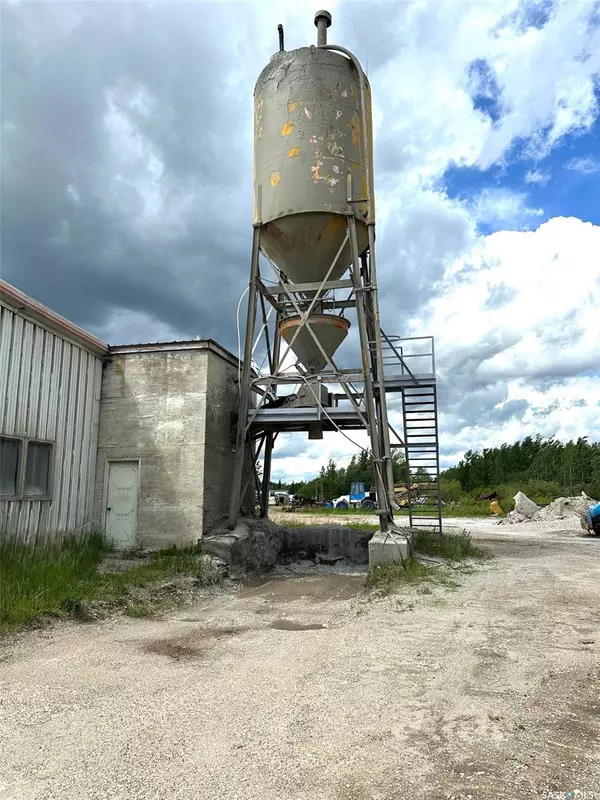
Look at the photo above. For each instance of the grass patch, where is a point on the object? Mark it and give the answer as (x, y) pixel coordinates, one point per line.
(451, 546)
(346, 512)
(61, 577)
(454, 548)
(139, 611)
(359, 526)
(387, 578)
(466, 506)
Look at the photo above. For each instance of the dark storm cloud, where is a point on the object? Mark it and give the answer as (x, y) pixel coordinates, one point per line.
(73, 228)
(111, 108)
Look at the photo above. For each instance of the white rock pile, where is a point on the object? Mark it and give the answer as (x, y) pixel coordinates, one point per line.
(561, 508)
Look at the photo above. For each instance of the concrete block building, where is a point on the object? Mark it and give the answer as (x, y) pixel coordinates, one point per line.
(163, 470)
(132, 440)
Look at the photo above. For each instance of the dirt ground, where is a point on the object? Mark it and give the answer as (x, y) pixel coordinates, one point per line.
(302, 687)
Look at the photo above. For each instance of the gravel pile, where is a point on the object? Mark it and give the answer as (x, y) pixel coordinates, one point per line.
(569, 508)
(565, 507)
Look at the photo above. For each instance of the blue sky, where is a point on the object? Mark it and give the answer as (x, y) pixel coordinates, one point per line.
(564, 182)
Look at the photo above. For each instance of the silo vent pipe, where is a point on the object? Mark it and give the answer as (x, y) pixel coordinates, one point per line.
(322, 21)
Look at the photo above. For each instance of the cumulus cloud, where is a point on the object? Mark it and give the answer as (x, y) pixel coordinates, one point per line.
(536, 344)
(503, 208)
(587, 165)
(537, 177)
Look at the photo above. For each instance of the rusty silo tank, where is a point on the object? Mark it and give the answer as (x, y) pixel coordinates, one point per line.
(309, 136)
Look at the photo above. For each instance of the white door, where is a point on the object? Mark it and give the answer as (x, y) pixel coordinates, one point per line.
(121, 503)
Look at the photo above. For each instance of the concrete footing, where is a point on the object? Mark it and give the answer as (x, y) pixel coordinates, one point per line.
(253, 546)
(384, 548)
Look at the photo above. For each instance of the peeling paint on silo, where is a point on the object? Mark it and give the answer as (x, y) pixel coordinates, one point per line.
(308, 140)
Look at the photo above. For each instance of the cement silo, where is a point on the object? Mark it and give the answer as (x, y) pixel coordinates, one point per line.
(314, 225)
(311, 135)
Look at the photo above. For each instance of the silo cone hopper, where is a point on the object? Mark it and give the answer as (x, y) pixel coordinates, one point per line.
(330, 330)
(305, 245)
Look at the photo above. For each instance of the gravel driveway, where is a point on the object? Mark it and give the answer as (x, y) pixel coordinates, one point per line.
(301, 687)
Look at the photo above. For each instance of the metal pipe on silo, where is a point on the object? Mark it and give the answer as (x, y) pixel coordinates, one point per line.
(322, 21)
(367, 143)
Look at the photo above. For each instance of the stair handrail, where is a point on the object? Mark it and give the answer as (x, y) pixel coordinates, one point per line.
(398, 356)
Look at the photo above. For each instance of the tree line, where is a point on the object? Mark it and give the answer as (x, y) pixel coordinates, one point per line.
(543, 468)
(334, 481)
(556, 468)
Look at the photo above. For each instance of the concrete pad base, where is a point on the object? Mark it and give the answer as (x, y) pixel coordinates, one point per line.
(384, 548)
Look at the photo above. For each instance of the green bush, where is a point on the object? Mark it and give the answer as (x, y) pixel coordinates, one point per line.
(450, 490)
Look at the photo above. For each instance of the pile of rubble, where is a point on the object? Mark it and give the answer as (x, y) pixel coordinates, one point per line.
(561, 508)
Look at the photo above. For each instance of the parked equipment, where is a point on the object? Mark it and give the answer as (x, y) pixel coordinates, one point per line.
(591, 521)
(358, 498)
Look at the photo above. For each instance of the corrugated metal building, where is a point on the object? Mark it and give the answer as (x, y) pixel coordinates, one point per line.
(133, 440)
(50, 380)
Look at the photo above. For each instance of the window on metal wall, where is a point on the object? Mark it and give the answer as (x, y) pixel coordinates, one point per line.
(37, 470)
(10, 458)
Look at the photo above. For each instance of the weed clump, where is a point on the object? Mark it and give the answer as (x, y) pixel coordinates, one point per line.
(455, 549)
(451, 546)
(387, 578)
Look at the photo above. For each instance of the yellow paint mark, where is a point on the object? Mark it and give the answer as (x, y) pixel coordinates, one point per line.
(334, 229)
(275, 178)
(287, 128)
(354, 125)
(294, 152)
(363, 185)
(292, 105)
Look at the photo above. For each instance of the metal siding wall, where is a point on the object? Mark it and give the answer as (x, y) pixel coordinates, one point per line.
(50, 390)
(6, 322)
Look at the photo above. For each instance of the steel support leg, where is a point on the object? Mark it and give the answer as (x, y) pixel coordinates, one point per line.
(381, 398)
(245, 388)
(385, 513)
(266, 476)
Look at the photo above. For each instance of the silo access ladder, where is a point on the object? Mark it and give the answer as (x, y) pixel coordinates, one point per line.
(409, 369)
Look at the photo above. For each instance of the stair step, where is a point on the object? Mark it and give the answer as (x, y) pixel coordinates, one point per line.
(419, 399)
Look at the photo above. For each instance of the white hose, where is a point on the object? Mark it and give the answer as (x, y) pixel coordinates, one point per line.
(339, 430)
(239, 341)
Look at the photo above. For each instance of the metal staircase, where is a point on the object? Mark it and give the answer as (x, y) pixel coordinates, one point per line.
(409, 368)
(422, 455)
